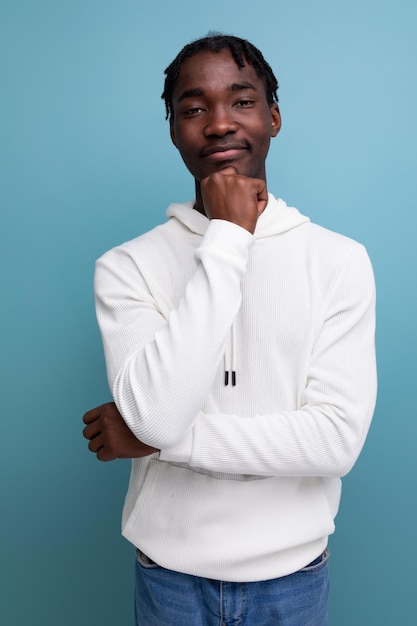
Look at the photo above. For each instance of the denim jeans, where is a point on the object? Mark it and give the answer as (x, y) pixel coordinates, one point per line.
(167, 598)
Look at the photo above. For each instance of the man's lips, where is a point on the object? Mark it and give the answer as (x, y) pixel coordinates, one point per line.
(223, 153)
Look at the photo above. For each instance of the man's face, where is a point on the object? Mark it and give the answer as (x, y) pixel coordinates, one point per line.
(221, 116)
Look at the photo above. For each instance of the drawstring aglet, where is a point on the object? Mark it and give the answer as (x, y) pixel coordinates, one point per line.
(226, 378)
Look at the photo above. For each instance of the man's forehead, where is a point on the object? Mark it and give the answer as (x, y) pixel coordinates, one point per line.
(206, 63)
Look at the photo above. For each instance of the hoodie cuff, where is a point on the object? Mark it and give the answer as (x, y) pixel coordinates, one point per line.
(180, 452)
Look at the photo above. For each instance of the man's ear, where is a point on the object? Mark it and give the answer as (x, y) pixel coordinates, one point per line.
(172, 133)
(276, 119)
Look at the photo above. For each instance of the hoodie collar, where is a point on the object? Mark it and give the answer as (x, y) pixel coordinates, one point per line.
(276, 218)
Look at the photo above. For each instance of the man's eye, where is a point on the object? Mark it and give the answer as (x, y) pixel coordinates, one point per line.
(245, 103)
(193, 111)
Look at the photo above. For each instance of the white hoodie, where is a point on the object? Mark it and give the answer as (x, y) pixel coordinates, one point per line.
(247, 483)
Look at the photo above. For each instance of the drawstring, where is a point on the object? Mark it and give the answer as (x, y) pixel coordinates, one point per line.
(230, 359)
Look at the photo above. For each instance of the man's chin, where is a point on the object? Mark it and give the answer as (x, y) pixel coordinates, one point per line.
(231, 167)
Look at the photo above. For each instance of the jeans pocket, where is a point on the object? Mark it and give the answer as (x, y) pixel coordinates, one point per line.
(144, 561)
(318, 564)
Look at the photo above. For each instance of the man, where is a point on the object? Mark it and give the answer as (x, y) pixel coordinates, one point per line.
(239, 343)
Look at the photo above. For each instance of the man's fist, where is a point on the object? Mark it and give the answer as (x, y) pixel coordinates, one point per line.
(229, 196)
(110, 438)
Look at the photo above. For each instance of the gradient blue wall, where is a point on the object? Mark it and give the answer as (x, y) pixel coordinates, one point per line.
(86, 163)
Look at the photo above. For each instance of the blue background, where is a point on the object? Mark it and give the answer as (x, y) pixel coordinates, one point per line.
(86, 163)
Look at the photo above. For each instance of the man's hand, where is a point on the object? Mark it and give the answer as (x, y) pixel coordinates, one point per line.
(110, 438)
(228, 196)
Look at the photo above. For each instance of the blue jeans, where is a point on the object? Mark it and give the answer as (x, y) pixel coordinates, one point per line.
(167, 598)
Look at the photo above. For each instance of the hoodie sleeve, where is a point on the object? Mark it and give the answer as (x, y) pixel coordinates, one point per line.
(325, 435)
(161, 370)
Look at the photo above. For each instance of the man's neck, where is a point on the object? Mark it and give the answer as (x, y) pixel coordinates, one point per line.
(198, 206)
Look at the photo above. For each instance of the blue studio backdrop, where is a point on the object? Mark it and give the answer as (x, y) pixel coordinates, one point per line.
(87, 163)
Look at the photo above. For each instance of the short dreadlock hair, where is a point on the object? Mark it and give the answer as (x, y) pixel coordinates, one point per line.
(241, 51)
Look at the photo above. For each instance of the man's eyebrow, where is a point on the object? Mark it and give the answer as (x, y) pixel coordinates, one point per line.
(242, 86)
(190, 93)
(197, 91)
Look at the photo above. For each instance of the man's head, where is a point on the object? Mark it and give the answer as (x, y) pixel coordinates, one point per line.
(242, 52)
(222, 106)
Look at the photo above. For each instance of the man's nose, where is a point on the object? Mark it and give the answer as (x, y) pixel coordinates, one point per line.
(221, 122)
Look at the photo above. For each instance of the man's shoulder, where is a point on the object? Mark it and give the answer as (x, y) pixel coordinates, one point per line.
(142, 243)
(322, 236)
(330, 253)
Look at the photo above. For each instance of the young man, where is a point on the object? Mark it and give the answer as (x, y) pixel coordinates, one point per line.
(239, 343)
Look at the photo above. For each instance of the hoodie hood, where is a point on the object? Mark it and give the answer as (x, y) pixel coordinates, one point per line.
(276, 218)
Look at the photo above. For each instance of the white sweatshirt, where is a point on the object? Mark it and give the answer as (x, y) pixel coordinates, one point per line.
(247, 483)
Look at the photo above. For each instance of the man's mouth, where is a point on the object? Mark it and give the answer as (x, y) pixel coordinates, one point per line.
(225, 152)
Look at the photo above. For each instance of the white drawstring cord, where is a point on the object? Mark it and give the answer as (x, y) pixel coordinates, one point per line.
(230, 358)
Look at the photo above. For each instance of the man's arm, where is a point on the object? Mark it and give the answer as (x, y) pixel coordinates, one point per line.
(228, 197)
(162, 364)
(109, 436)
(161, 369)
(325, 434)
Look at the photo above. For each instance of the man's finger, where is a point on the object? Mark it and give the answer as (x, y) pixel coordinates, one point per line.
(229, 171)
(104, 455)
(96, 443)
(92, 430)
(93, 414)
(102, 452)
(262, 194)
